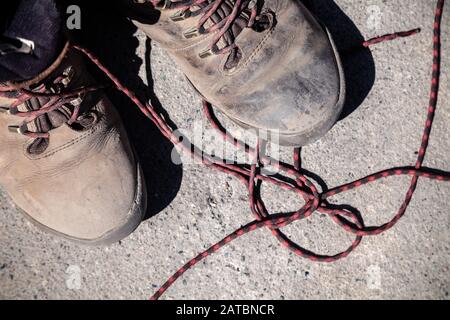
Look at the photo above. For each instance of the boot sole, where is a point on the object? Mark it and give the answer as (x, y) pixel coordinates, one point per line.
(136, 215)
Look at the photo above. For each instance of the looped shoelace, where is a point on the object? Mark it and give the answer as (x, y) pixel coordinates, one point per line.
(211, 7)
(302, 185)
(57, 100)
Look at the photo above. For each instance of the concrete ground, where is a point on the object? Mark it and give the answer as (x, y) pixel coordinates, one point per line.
(192, 207)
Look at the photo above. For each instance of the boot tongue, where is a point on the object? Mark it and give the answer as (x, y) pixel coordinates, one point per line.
(222, 13)
(46, 122)
(239, 24)
(53, 119)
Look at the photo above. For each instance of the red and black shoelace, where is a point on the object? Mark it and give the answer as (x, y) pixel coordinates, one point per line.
(300, 183)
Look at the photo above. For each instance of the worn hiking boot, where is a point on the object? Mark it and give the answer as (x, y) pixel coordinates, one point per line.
(65, 158)
(268, 65)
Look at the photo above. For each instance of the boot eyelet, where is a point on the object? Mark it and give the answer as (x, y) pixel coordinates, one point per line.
(22, 129)
(180, 15)
(252, 4)
(193, 32)
(208, 52)
(86, 121)
(264, 22)
(5, 110)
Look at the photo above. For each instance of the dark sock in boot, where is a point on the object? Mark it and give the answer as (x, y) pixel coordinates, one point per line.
(36, 23)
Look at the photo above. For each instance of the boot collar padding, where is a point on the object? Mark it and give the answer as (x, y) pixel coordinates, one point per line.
(44, 74)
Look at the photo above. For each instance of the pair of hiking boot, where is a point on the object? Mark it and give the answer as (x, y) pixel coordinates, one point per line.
(66, 160)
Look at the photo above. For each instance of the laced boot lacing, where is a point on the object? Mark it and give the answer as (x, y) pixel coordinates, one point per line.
(225, 18)
(58, 98)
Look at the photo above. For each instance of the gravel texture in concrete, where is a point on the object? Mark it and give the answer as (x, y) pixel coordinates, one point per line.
(191, 207)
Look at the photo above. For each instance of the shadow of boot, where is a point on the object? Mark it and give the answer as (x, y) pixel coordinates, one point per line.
(358, 63)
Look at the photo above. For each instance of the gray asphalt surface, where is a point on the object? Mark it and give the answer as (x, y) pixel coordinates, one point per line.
(200, 206)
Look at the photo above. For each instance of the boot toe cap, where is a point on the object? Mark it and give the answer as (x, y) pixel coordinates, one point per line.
(92, 191)
(301, 99)
(93, 210)
(295, 86)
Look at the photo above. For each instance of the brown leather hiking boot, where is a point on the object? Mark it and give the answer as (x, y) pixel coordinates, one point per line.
(65, 159)
(268, 65)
